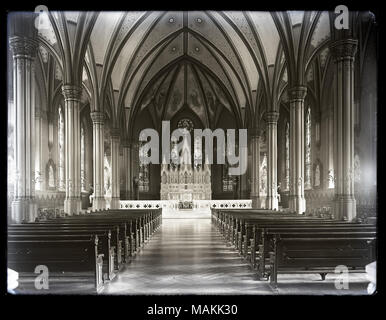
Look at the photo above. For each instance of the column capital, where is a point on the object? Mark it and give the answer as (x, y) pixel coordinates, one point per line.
(255, 133)
(23, 46)
(272, 116)
(98, 117)
(71, 92)
(297, 93)
(125, 143)
(115, 133)
(344, 49)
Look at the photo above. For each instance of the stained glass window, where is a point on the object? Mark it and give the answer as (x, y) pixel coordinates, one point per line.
(263, 175)
(61, 148)
(51, 176)
(227, 180)
(307, 183)
(287, 156)
(82, 159)
(143, 183)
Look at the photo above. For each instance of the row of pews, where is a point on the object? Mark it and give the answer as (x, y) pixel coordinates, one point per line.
(276, 242)
(94, 247)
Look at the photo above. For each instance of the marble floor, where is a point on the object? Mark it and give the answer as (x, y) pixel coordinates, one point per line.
(189, 256)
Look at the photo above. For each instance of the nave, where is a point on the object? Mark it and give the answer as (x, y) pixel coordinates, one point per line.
(189, 256)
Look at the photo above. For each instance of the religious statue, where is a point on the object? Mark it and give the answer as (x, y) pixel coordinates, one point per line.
(136, 188)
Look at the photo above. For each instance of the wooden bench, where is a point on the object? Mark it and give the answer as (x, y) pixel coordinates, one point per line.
(119, 233)
(312, 254)
(104, 243)
(255, 234)
(61, 256)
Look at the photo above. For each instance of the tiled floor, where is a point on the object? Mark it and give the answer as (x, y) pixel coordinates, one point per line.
(189, 256)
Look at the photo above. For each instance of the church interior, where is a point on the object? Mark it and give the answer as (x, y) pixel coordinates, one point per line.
(83, 85)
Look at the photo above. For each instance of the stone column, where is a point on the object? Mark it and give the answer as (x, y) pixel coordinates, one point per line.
(115, 192)
(24, 52)
(98, 122)
(272, 199)
(126, 166)
(297, 201)
(72, 202)
(344, 52)
(255, 169)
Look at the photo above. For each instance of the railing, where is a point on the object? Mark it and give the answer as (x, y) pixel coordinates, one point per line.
(174, 204)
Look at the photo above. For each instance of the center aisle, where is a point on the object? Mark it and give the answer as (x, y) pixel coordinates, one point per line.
(187, 256)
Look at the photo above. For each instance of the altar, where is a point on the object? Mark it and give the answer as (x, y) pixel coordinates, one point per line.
(185, 182)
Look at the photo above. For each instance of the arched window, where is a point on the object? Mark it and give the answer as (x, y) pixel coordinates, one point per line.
(263, 175)
(287, 156)
(307, 182)
(82, 159)
(51, 175)
(143, 183)
(227, 180)
(61, 148)
(107, 176)
(198, 158)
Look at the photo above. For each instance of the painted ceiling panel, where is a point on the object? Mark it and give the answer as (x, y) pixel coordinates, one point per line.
(241, 98)
(172, 51)
(195, 96)
(245, 55)
(322, 30)
(208, 29)
(199, 52)
(46, 31)
(296, 17)
(186, 84)
(239, 19)
(167, 25)
(135, 79)
(102, 32)
(177, 94)
(131, 44)
(266, 29)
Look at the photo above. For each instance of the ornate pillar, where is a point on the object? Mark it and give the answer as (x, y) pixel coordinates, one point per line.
(115, 192)
(272, 199)
(72, 202)
(297, 201)
(344, 52)
(23, 204)
(126, 167)
(255, 169)
(98, 122)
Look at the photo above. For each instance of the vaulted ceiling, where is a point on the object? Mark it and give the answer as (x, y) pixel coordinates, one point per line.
(132, 60)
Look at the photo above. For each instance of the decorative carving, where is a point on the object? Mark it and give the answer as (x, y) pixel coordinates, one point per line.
(115, 133)
(97, 117)
(125, 143)
(297, 93)
(23, 47)
(255, 133)
(272, 117)
(344, 49)
(71, 92)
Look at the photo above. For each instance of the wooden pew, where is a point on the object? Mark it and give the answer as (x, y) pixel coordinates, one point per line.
(314, 254)
(266, 226)
(104, 243)
(61, 256)
(112, 228)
